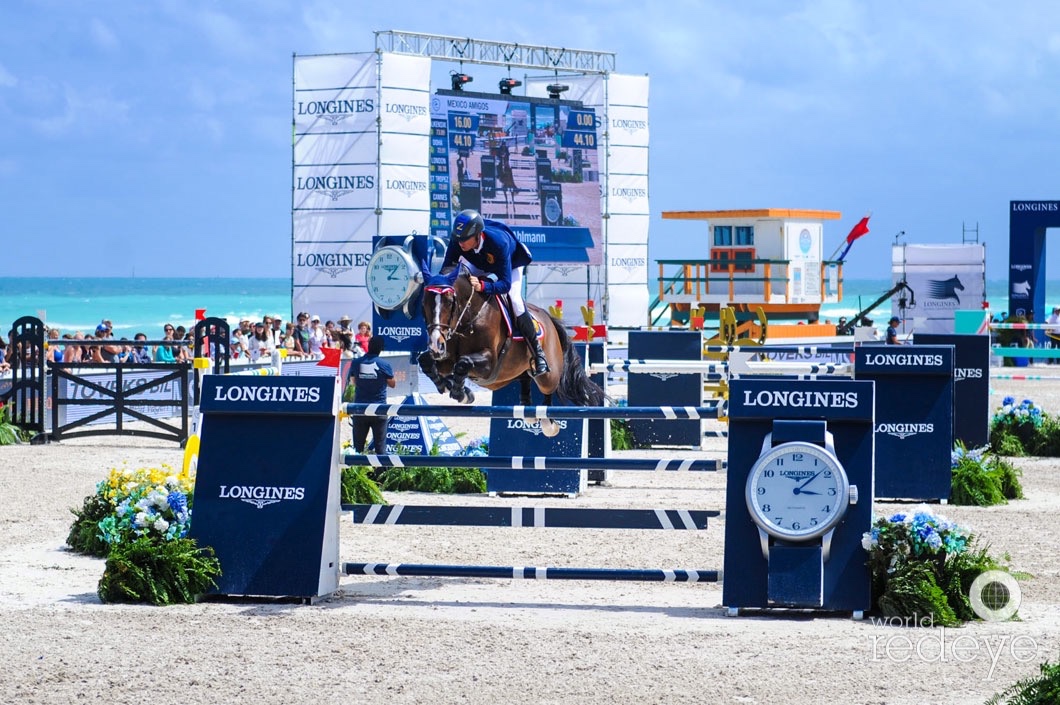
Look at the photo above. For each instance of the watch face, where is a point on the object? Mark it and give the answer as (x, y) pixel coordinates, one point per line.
(388, 277)
(797, 491)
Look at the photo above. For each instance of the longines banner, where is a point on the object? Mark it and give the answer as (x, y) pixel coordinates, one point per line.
(944, 279)
(361, 124)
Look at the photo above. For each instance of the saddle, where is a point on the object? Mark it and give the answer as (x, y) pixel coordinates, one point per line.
(508, 314)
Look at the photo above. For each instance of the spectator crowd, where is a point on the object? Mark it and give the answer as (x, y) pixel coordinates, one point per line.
(250, 341)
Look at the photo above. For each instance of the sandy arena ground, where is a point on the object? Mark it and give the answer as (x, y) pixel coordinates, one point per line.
(409, 640)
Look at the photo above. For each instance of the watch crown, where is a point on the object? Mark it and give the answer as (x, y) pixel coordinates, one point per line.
(853, 494)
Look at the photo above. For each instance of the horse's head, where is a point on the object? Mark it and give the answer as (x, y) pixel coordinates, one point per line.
(957, 283)
(444, 307)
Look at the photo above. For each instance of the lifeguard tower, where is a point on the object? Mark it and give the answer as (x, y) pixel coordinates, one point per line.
(770, 259)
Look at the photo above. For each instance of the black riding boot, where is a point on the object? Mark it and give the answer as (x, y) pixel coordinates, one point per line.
(529, 331)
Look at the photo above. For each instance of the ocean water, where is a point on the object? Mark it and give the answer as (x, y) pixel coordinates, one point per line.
(136, 305)
(145, 305)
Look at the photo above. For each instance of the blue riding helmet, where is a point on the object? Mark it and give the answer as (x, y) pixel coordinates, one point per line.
(467, 225)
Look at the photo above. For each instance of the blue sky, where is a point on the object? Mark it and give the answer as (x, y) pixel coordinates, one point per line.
(154, 136)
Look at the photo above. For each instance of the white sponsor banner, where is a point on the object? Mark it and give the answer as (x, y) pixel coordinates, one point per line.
(627, 305)
(326, 150)
(335, 93)
(627, 193)
(940, 291)
(335, 187)
(404, 187)
(934, 255)
(627, 89)
(401, 149)
(395, 222)
(628, 229)
(628, 125)
(332, 303)
(628, 160)
(572, 284)
(331, 264)
(334, 226)
(73, 389)
(627, 264)
(405, 110)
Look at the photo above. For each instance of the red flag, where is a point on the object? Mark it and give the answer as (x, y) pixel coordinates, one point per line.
(332, 356)
(858, 230)
(200, 314)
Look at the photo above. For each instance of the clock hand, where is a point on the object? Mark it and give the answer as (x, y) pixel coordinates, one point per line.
(801, 487)
(391, 272)
(799, 490)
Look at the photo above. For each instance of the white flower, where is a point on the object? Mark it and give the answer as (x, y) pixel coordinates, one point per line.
(141, 519)
(866, 541)
(161, 525)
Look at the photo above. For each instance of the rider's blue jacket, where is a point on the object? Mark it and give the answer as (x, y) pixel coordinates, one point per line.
(499, 253)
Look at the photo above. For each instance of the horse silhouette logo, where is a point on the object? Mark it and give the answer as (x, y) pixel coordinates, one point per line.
(945, 288)
(1021, 289)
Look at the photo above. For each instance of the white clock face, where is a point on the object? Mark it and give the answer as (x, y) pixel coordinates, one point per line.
(388, 277)
(797, 491)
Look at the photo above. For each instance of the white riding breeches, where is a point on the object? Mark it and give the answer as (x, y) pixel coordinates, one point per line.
(516, 292)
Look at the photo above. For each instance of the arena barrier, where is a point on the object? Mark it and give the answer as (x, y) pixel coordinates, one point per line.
(535, 474)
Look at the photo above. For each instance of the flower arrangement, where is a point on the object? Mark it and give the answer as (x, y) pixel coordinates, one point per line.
(151, 502)
(10, 434)
(922, 567)
(478, 448)
(1023, 429)
(981, 478)
(139, 520)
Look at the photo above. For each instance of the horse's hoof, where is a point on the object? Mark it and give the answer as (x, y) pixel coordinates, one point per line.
(469, 396)
(549, 428)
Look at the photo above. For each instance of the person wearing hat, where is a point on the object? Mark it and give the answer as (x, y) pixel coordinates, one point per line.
(276, 332)
(344, 323)
(317, 336)
(892, 331)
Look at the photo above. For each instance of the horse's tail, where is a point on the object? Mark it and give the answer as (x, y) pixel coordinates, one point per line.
(575, 388)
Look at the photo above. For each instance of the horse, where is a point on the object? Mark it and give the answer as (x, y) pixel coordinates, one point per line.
(506, 178)
(468, 339)
(945, 288)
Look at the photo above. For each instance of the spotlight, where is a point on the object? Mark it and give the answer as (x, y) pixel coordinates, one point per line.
(507, 84)
(459, 79)
(554, 89)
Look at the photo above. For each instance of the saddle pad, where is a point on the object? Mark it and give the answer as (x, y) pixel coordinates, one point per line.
(514, 333)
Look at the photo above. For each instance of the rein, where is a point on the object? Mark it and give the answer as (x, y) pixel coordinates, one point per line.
(446, 328)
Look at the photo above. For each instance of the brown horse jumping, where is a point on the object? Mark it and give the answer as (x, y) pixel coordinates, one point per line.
(468, 339)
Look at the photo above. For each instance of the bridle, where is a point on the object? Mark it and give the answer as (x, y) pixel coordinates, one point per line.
(447, 330)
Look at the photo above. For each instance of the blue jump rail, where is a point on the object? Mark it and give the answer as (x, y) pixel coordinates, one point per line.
(531, 573)
(531, 517)
(536, 412)
(531, 462)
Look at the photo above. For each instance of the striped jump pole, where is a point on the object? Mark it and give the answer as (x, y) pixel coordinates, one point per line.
(531, 517)
(536, 412)
(800, 349)
(530, 573)
(534, 462)
(1028, 378)
(718, 370)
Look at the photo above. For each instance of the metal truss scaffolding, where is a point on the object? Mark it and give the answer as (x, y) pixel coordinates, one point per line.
(477, 51)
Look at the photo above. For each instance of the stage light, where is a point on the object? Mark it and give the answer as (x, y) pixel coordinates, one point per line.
(507, 84)
(459, 79)
(554, 89)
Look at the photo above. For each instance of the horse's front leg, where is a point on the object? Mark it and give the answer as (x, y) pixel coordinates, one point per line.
(474, 365)
(430, 368)
(549, 427)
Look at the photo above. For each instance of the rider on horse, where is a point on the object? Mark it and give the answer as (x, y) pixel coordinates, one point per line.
(490, 247)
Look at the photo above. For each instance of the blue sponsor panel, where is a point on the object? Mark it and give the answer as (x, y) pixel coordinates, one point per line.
(520, 437)
(914, 418)
(774, 568)
(971, 384)
(419, 434)
(556, 244)
(666, 389)
(267, 486)
(1028, 223)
